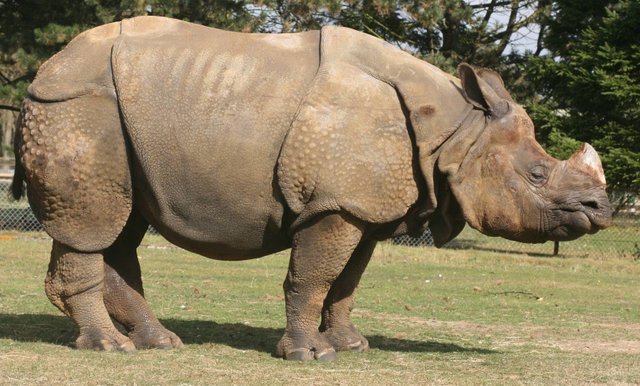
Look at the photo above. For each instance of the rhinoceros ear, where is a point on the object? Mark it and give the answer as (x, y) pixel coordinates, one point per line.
(480, 92)
(495, 81)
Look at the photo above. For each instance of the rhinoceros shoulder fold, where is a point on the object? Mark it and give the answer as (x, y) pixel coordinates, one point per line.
(348, 147)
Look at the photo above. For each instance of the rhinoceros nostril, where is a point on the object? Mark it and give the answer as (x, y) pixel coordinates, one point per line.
(591, 204)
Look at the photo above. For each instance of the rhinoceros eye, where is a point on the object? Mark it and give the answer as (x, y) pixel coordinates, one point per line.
(538, 174)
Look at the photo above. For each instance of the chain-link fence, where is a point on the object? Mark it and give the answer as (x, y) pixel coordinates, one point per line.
(621, 239)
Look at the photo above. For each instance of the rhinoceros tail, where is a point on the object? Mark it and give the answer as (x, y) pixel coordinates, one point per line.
(17, 185)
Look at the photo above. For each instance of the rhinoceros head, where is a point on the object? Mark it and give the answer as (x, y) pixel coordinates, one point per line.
(507, 185)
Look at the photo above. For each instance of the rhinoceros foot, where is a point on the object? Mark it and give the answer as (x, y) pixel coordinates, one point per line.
(346, 338)
(155, 337)
(305, 348)
(104, 340)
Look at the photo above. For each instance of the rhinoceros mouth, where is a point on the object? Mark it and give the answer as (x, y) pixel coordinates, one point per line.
(573, 225)
(575, 221)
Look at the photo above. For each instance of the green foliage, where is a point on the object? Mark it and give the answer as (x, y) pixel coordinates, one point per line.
(569, 19)
(560, 145)
(591, 85)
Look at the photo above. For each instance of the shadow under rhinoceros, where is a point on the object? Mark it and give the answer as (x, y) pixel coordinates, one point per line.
(60, 330)
(246, 337)
(43, 328)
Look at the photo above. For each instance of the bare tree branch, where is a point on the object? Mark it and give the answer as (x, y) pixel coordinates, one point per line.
(540, 41)
(487, 15)
(492, 4)
(544, 10)
(511, 27)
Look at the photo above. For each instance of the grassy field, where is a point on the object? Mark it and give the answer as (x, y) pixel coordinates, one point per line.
(431, 316)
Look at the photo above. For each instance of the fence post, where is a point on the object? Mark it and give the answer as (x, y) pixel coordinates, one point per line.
(556, 248)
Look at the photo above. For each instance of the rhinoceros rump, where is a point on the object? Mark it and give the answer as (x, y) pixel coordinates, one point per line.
(236, 145)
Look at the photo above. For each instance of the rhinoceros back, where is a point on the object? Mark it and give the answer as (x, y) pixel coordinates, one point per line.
(207, 112)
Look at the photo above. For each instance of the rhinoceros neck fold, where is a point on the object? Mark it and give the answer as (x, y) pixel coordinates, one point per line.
(446, 134)
(453, 151)
(446, 155)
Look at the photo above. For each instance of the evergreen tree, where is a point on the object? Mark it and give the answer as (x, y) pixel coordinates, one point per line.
(590, 83)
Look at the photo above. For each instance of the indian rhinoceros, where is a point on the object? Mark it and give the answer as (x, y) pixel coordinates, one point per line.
(235, 146)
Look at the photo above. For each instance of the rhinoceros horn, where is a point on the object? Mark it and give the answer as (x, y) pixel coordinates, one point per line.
(586, 158)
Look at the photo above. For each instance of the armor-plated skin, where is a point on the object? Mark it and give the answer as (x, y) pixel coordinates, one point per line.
(236, 145)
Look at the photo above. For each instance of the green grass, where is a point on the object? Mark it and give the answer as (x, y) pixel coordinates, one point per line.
(431, 316)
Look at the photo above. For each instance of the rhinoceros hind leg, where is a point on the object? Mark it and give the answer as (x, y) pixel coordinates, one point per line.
(336, 325)
(74, 284)
(124, 295)
(319, 254)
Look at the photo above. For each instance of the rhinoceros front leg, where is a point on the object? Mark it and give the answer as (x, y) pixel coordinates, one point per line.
(124, 294)
(336, 325)
(74, 284)
(320, 252)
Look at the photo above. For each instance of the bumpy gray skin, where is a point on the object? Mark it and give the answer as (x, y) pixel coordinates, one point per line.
(235, 146)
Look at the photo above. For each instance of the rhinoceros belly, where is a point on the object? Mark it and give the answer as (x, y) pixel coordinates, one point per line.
(207, 112)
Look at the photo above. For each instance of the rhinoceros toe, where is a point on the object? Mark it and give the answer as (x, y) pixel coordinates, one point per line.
(101, 340)
(305, 348)
(346, 339)
(158, 337)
